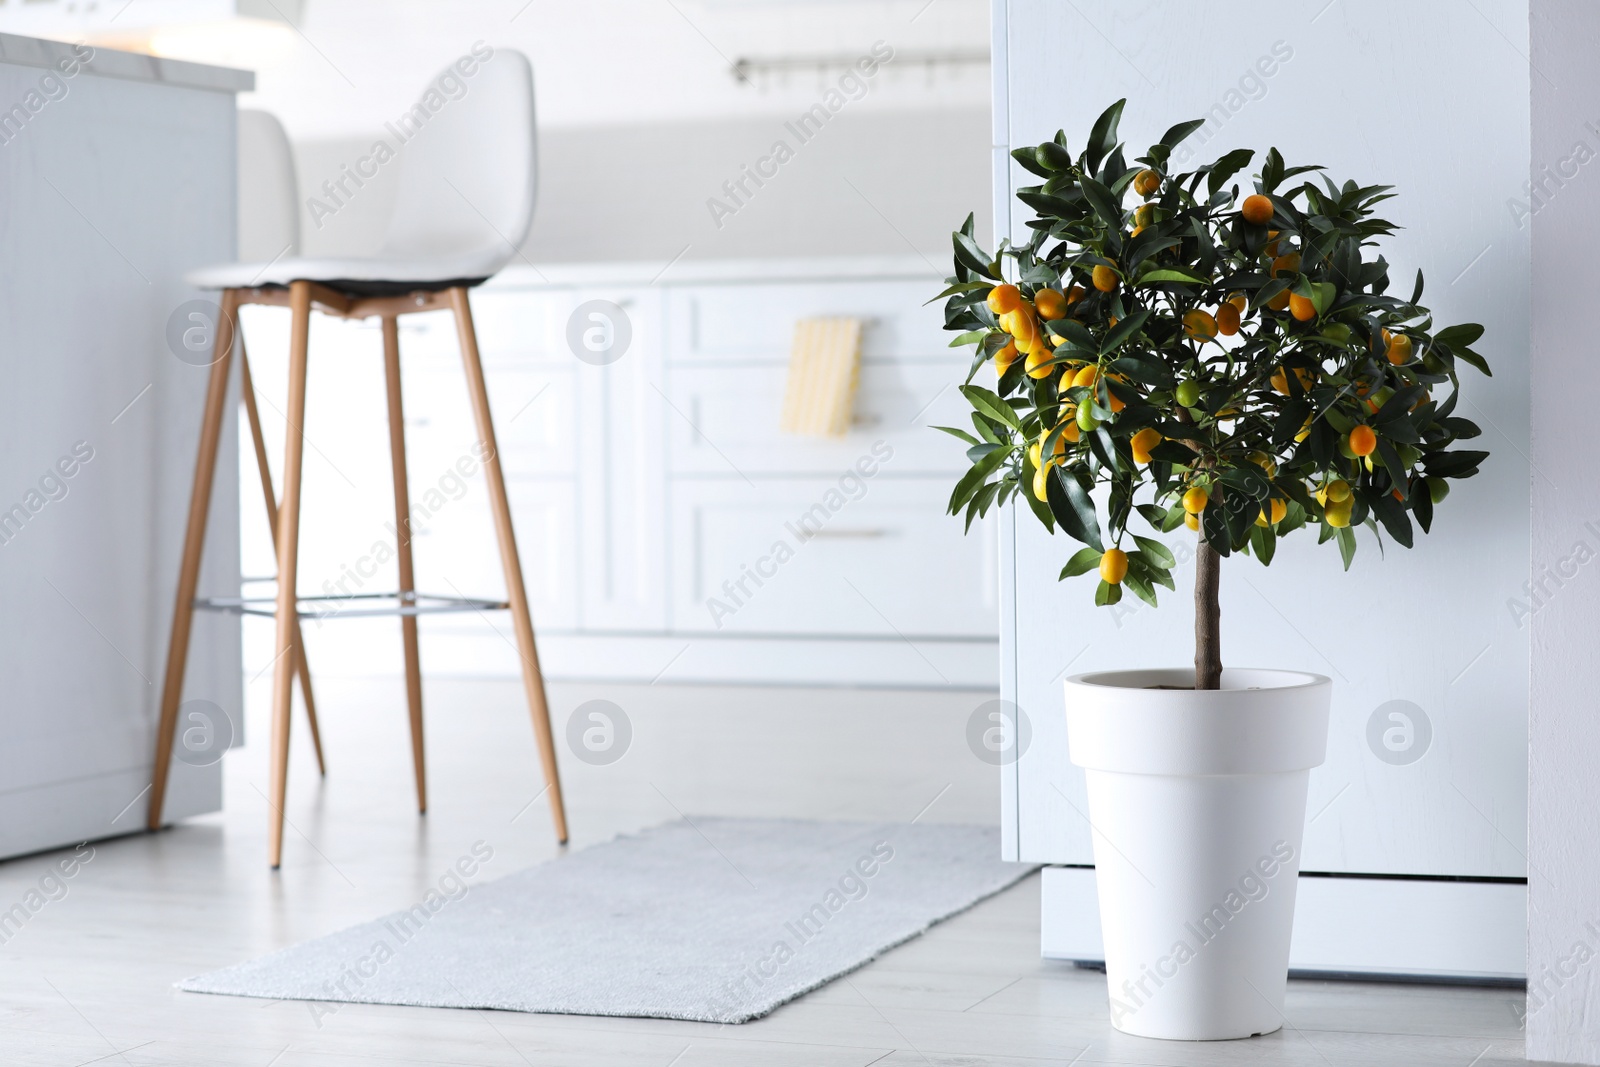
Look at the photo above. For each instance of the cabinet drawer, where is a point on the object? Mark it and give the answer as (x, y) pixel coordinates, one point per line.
(729, 421)
(516, 327)
(456, 552)
(869, 557)
(755, 323)
(522, 324)
(534, 411)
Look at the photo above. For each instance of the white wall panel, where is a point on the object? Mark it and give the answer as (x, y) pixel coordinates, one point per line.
(1430, 626)
(107, 196)
(1563, 818)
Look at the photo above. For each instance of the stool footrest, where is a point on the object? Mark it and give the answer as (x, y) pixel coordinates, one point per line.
(356, 605)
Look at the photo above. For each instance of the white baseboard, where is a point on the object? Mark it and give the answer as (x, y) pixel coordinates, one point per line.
(1417, 928)
(106, 804)
(372, 647)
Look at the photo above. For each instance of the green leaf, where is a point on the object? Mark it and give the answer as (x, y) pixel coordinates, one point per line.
(1173, 137)
(1040, 509)
(1460, 429)
(1154, 514)
(1103, 137)
(1104, 203)
(1322, 296)
(1398, 405)
(1140, 587)
(1029, 161)
(972, 257)
(1073, 509)
(1158, 553)
(1471, 357)
(957, 289)
(1271, 170)
(1142, 368)
(1227, 167)
(971, 337)
(1101, 445)
(1082, 562)
(977, 452)
(1422, 505)
(973, 480)
(1455, 464)
(1459, 336)
(1107, 594)
(1140, 566)
(1124, 329)
(1347, 544)
(1393, 517)
(1076, 332)
(994, 343)
(1248, 479)
(1264, 543)
(962, 434)
(991, 405)
(1173, 274)
(1053, 206)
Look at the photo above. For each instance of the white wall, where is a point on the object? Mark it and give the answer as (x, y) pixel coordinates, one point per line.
(1379, 92)
(869, 183)
(356, 63)
(1564, 730)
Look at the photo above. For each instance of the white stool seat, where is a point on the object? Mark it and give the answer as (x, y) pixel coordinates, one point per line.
(464, 196)
(366, 276)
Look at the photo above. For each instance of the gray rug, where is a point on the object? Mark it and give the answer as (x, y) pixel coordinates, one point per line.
(711, 920)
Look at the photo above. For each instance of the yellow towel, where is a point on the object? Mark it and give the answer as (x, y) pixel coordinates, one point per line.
(824, 366)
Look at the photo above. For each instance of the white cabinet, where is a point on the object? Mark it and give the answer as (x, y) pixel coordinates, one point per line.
(620, 467)
(731, 423)
(752, 317)
(456, 552)
(863, 557)
(110, 195)
(639, 485)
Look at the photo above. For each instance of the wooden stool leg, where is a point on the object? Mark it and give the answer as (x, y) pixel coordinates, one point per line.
(402, 526)
(194, 537)
(302, 668)
(288, 546)
(521, 618)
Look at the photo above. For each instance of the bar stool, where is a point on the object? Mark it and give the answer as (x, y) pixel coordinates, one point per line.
(465, 191)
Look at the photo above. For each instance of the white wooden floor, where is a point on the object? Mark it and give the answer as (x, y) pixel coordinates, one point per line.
(89, 979)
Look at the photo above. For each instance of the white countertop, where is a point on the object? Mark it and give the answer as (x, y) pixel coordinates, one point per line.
(536, 275)
(131, 66)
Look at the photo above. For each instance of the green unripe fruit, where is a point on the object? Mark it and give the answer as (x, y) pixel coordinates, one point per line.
(1052, 156)
(1438, 489)
(1337, 331)
(1188, 394)
(1086, 419)
(1344, 447)
(1432, 364)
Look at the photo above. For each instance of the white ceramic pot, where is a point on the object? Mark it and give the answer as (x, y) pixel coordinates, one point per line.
(1197, 802)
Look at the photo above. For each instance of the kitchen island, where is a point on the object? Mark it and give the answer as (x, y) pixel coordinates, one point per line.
(117, 173)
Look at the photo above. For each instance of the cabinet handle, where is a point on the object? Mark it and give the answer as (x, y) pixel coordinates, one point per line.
(855, 535)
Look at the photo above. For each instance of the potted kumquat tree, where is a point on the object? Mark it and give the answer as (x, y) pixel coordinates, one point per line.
(1242, 360)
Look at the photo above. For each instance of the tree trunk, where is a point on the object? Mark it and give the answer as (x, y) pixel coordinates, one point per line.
(1207, 618)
